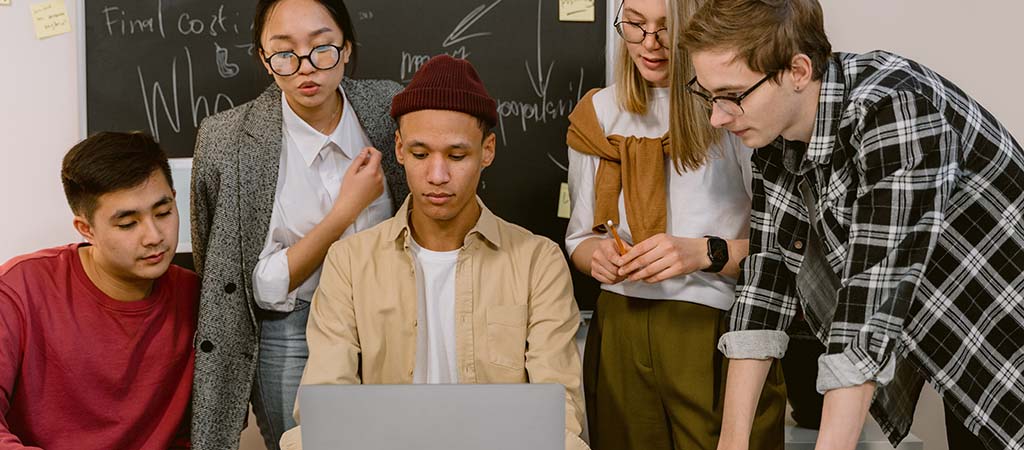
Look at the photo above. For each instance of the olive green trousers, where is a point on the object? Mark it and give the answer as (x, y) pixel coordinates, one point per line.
(654, 378)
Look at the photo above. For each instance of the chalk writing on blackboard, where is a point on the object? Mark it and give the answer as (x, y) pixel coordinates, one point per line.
(476, 14)
(162, 101)
(199, 105)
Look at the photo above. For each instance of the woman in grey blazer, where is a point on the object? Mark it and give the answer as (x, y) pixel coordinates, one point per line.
(274, 182)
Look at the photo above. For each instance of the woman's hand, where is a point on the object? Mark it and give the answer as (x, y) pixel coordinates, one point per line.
(662, 256)
(606, 263)
(363, 183)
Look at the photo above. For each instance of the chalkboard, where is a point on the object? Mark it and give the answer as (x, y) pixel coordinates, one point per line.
(164, 65)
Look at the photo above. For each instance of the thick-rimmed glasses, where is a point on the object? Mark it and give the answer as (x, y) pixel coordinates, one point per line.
(321, 57)
(730, 104)
(634, 33)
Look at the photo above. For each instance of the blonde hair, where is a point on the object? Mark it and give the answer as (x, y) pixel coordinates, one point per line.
(631, 87)
(690, 132)
(689, 129)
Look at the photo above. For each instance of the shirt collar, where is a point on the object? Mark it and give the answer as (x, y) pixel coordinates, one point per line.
(831, 102)
(486, 227)
(308, 140)
(799, 157)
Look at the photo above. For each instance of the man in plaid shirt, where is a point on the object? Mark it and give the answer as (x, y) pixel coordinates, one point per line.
(888, 211)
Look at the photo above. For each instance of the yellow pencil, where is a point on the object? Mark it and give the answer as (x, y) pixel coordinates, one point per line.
(615, 234)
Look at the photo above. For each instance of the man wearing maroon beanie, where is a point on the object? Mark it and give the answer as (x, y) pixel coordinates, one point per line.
(445, 292)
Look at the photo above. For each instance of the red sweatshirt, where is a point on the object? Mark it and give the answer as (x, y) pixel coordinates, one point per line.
(80, 370)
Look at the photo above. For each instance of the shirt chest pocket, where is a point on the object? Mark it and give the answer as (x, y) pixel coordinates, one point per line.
(506, 335)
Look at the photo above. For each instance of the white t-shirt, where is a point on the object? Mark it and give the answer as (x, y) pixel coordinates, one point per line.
(435, 330)
(712, 200)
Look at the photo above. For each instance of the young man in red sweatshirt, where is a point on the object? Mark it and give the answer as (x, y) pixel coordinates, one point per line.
(96, 337)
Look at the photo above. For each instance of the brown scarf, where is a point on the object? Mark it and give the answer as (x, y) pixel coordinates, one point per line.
(632, 165)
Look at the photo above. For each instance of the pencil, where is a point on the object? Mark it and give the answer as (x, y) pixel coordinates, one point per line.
(615, 234)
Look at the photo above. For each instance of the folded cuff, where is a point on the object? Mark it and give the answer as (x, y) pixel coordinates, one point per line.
(270, 283)
(754, 344)
(839, 371)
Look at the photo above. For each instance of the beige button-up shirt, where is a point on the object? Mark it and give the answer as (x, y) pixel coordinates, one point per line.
(515, 314)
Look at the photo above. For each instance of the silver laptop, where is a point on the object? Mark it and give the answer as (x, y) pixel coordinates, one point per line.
(433, 417)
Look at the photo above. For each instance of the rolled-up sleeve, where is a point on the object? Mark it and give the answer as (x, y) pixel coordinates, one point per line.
(270, 279)
(754, 344)
(839, 371)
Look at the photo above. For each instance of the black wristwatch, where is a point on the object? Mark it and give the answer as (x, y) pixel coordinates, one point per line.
(718, 253)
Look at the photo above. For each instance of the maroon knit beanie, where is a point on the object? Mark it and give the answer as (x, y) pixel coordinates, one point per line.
(449, 84)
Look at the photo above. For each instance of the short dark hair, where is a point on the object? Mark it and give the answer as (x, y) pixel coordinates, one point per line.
(485, 127)
(337, 10)
(107, 162)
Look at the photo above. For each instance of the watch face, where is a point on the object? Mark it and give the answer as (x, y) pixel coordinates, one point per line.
(719, 250)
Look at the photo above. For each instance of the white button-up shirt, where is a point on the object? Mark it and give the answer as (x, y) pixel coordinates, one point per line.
(312, 167)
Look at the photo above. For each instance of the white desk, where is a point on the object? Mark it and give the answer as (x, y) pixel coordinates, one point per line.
(871, 438)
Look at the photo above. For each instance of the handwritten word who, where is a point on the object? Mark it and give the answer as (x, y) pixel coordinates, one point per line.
(161, 110)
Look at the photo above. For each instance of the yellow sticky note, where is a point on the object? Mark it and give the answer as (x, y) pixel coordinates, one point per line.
(576, 10)
(50, 18)
(563, 202)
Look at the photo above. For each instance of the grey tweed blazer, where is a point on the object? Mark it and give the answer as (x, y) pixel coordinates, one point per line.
(234, 179)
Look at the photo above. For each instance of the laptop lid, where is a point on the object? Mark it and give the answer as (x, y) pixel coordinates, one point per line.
(433, 417)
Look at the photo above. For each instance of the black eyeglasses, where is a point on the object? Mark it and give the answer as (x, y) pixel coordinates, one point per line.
(634, 33)
(321, 57)
(730, 104)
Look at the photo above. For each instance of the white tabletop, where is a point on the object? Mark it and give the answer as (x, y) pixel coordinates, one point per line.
(871, 438)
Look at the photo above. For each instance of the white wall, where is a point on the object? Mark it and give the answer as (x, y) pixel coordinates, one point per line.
(974, 44)
(38, 124)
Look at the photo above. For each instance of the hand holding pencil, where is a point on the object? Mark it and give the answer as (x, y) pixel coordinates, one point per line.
(615, 234)
(605, 255)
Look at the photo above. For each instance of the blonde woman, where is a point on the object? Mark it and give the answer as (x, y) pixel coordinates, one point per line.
(643, 156)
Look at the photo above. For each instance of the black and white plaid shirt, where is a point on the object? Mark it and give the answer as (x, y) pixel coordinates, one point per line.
(919, 195)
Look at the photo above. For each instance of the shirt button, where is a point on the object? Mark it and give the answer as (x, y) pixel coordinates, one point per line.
(415, 323)
(799, 245)
(230, 288)
(206, 346)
